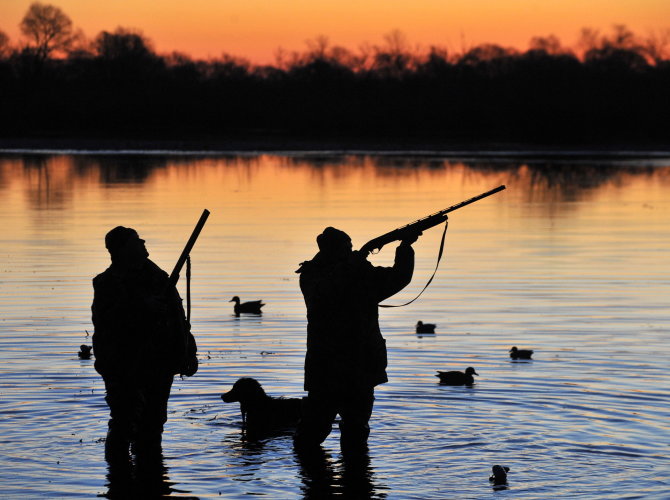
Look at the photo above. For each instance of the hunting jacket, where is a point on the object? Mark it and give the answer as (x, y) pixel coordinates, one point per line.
(345, 347)
(132, 336)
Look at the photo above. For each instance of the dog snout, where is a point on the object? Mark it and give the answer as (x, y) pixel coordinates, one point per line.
(228, 397)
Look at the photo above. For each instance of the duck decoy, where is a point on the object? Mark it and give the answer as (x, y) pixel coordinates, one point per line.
(499, 475)
(422, 327)
(251, 307)
(515, 353)
(84, 351)
(457, 378)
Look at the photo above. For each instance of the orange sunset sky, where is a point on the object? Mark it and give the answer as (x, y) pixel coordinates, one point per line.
(254, 29)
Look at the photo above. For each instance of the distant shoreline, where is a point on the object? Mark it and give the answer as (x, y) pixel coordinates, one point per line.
(298, 145)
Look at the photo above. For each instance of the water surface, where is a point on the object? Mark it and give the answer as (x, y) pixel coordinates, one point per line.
(571, 260)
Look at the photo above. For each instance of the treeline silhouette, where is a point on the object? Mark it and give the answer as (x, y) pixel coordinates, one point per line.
(615, 92)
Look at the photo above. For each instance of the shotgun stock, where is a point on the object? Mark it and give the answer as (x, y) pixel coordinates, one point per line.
(420, 225)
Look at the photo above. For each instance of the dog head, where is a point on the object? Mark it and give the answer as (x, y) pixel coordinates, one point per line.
(246, 389)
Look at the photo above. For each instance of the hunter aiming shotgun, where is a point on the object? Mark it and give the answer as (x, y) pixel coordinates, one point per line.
(174, 275)
(420, 225)
(417, 227)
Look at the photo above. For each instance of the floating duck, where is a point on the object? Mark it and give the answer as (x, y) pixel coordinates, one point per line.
(84, 351)
(457, 378)
(251, 307)
(422, 327)
(499, 475)
(515, 353)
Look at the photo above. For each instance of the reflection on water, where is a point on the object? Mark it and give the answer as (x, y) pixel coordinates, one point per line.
(352, 477)
(51, 180)
(139, 477)
(570, 260)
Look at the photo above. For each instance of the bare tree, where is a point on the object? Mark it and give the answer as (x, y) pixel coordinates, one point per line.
(394, 57)
(549, 44)
(176, 58)
(589, 39)
(48, 28)
(366, 52)
(280, 55)
(318, 47)
(622, 38)
(4, 45)
(285, 60)
(657, 45)
(620, 50)
(396, 42)
(487, 52)
(344, 57)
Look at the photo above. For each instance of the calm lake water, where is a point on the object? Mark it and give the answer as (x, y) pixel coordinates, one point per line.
(571, 261)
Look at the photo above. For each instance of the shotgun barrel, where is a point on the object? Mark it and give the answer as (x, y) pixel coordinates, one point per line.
(420, 225)
(174, 275)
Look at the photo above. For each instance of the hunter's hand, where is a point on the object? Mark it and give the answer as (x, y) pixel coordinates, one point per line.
(411, 238)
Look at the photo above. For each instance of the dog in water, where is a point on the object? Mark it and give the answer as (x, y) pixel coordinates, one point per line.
(261, 413)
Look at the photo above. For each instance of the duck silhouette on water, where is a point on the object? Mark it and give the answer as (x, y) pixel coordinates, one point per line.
(422, 327)
(457, 378)
(515, 353)
(84, 351)
(499, 475)
(251, 307)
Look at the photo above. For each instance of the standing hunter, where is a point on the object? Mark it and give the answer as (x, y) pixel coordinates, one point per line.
(141, 340)
(346, 353)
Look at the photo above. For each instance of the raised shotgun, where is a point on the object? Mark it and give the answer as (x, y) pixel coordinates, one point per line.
(420, 225)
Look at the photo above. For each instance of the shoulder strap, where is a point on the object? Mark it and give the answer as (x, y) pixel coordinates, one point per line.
(439, 256)
(188, 289)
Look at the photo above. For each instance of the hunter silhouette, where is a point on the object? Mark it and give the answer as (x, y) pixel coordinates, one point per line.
(346, 353)
(141, 340)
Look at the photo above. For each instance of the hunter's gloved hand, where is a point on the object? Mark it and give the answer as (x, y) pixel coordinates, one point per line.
(411, 238)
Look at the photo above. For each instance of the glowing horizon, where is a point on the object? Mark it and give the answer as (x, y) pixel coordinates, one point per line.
(256, 29)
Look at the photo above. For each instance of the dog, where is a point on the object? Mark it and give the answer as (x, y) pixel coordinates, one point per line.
(262, 414)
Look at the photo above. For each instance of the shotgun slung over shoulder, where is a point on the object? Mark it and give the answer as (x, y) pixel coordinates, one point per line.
(174, 275)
